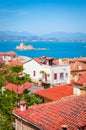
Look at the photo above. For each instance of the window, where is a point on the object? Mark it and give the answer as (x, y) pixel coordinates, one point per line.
(55, 76)
(61, 76)
(34, 73)
(66, 75)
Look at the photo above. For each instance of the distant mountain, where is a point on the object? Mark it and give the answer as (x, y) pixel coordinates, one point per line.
(26, 34)
(14, 36)
(9, 35)
(65, 36)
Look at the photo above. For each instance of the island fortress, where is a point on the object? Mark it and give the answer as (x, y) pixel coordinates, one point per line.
(22, 46)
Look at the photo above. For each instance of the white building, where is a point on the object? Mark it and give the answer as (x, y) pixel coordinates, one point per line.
(48, 71)
(8, 55)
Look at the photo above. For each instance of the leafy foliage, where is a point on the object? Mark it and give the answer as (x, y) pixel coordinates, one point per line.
(15, 78)
(8, 101)
(7, 104)
(2, 81)
(17, 68)
(32, 99)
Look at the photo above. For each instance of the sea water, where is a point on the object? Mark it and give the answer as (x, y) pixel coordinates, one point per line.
(54, 49)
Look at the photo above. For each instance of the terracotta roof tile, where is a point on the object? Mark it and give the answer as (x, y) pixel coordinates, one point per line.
(14, 62)
(55, 62)
(56, 93)
(11, 53)
(82, 80)
(70, 111)
(77, 66)
(18, 89)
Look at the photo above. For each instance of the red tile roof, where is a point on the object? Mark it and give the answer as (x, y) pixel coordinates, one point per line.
(8, 53)
(11, 53)
(56, 93)
(18, 89)
(14, 62)
(70, 111)
(77, 66)
(55, 62)
(83, 59)
(82, 80)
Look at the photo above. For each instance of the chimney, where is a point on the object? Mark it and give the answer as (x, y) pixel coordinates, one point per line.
(64, 127)
(23, 105)
(60, 61)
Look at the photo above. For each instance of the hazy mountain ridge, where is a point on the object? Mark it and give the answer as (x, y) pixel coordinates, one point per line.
(65, 36)
(10, 35)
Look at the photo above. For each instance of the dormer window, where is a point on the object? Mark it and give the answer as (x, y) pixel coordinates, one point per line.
(43, 59)
(64, 127)
(51, 62)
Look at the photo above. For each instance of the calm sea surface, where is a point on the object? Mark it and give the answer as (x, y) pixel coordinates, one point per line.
(56, 49)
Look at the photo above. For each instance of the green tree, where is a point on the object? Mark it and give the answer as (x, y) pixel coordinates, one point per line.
(32, 99)
(17, 68)
(14, 76)
(8, 103)
(2, 80)
(9, 100)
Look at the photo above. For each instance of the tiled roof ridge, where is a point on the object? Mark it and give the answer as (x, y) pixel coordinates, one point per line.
(31, 122)
(68, 89)
(75, 65)
(53, 102)
(56, 93)
(81, 80)
(54, 115)
(28, 61)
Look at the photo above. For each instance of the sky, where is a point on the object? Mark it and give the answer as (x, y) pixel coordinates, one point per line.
(43, 16)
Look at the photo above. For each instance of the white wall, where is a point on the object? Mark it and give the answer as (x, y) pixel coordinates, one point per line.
(60, 69)
(76, 91)
(31, 66)
(8, 57)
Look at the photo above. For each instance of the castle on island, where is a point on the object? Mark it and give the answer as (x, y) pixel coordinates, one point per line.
(23, 46)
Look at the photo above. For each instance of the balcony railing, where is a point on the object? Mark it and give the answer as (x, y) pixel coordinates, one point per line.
(44, 81)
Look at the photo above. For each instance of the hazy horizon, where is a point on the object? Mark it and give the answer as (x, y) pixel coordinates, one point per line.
(43, 16)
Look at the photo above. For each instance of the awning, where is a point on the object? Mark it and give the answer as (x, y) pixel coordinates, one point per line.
(46, 71)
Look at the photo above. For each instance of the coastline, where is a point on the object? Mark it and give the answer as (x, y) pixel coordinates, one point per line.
(56, 49)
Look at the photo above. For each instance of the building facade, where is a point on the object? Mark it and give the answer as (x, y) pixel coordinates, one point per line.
(47, 70)
(8, 55)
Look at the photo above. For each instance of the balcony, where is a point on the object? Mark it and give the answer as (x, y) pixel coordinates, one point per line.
(44, 81)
